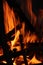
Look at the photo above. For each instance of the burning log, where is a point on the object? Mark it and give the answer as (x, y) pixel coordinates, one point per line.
(22, 46)
(15, 54)
(13, 34)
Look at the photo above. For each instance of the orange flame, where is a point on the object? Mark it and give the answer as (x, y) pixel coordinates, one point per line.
(11, 22)
(30, 12)
(15, 39)
(8, 17)
(34, 61)
(14, 63)
(30, 38)
(1, 51)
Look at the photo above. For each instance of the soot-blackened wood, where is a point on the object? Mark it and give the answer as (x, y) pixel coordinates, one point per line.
(34, 47)
(3, 41)
(22, 47)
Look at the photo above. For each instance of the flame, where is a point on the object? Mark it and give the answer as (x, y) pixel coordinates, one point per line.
(30, 12)
(4, 62)
(15, 39)
(11, 22)
(14, 63)
(23, 29)
(1, 51)
(30, 38)
(34, 61)
(18, 60)
(33, 38)
(8, 17)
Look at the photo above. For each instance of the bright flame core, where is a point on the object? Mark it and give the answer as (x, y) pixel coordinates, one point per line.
(34, 61)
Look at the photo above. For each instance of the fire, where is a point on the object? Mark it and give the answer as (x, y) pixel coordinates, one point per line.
(33, 60)
(1, 51)
(30, 38)
(11, 22)
(15, 39)
(8, 17)
(33, 38)
(4, 62)
(18, 60)
(14, 63)
(30, 12)
(23, 29)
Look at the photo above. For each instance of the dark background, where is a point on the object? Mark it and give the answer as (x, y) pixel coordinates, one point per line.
(37, 4)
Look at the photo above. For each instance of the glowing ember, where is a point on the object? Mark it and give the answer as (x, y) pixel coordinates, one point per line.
(4, 62)
(10, 22)
(1, 51)
(19, 60)
(14, 63)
